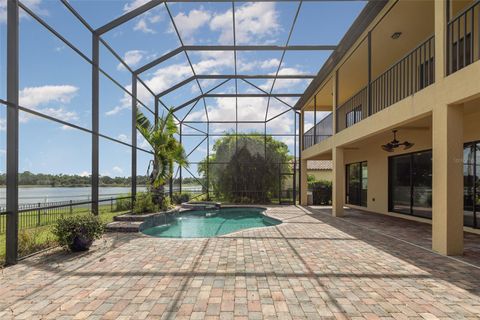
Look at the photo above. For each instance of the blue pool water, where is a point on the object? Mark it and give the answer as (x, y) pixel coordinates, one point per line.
(211, 223)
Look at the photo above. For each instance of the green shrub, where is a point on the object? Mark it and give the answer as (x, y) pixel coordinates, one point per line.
(123, 203)
(144, 203)
(166, 204)
(179, 198)
(86, 226)
(34, 240)
(322, 192)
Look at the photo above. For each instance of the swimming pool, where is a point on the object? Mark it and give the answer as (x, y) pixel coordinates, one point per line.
(212, 223)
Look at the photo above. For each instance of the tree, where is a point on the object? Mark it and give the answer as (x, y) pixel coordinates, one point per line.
(246, 168)
(166, 151)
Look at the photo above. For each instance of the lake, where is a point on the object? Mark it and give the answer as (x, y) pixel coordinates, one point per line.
(54, 194)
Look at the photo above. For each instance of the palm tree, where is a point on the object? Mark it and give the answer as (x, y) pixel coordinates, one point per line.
(166, 149)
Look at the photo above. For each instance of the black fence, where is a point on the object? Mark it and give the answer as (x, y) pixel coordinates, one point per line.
(34, 215)
(321, 131)
(412, 73)
(463, 38)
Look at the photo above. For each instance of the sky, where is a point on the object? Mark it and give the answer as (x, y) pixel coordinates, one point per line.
(55, 80)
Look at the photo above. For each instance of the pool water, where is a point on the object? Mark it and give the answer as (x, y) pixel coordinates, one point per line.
(211, 223)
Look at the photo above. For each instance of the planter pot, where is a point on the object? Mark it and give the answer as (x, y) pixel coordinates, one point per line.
(80, 243)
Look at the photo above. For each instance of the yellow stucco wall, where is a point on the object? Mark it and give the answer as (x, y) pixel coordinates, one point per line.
(440, 117)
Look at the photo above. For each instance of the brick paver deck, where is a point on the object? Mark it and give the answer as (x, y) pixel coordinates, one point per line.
(311, 266)
(414, 232)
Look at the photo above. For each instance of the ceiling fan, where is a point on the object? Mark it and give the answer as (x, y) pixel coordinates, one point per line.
(392, 145)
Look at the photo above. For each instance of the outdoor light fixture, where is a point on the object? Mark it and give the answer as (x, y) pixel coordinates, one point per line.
(396, 35)
(392, 145)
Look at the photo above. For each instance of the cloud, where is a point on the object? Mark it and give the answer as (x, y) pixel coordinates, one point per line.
(3, 124)
(142, 25)
(117, 170)
(34, 5)
(190, 23)
(123, 137)
(250, 65)
(84, 174)
(254, 22)
(249, 109)
(145, 20)
(133, 5)
(132, 58)
(36, 97)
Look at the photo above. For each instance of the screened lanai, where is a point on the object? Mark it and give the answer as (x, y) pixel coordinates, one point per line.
(74, 74)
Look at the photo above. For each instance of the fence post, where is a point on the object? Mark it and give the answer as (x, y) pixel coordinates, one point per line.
(71, 208)
(111, 204)
(38, 214)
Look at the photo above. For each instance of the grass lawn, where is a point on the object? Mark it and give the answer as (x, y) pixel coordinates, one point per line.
(38, 238)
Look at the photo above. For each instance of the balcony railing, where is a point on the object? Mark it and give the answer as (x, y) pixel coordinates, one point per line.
(463, 38)
(409, 75)
(319, 132)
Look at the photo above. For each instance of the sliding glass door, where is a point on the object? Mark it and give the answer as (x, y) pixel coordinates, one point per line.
(410, 184)
(357, 183)
(471, 180)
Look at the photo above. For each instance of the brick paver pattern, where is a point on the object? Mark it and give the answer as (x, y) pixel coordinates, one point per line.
(312, 266)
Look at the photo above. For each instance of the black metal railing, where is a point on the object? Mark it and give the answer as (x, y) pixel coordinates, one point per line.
(463, 38)
(34, 215)
(353, 110)
(319, 132)
(412, 73)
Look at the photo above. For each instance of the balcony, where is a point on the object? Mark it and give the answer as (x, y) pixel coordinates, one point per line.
(319, 132)
(463, 38)
(412, 73)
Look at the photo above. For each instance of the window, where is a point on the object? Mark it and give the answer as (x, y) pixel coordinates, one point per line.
(353, 116)
(461, 55)
(410, 184)
(357, 183)
(471, 183)
(426, 73)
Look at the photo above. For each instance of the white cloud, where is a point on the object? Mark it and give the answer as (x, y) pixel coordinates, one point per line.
(84, 174)
(189, 23)
(66, 128)
(142, 25)
(123, 137)
(254, 22)
(117, 170)
(146, 19)
(34, 5)
(3, 124)
(35, 97)
(133, 5)
(132, 58)
(257, 64)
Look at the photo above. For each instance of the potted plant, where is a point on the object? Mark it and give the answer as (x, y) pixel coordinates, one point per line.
(78, 232)
(166, 151)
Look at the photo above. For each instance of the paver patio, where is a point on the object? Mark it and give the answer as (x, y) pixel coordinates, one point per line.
(311, 266)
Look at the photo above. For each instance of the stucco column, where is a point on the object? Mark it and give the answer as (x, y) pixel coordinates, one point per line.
(447, 184)
(440, 39)
(303, 182)
(338, 182)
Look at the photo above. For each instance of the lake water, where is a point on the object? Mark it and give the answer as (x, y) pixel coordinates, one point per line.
(49, 194)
